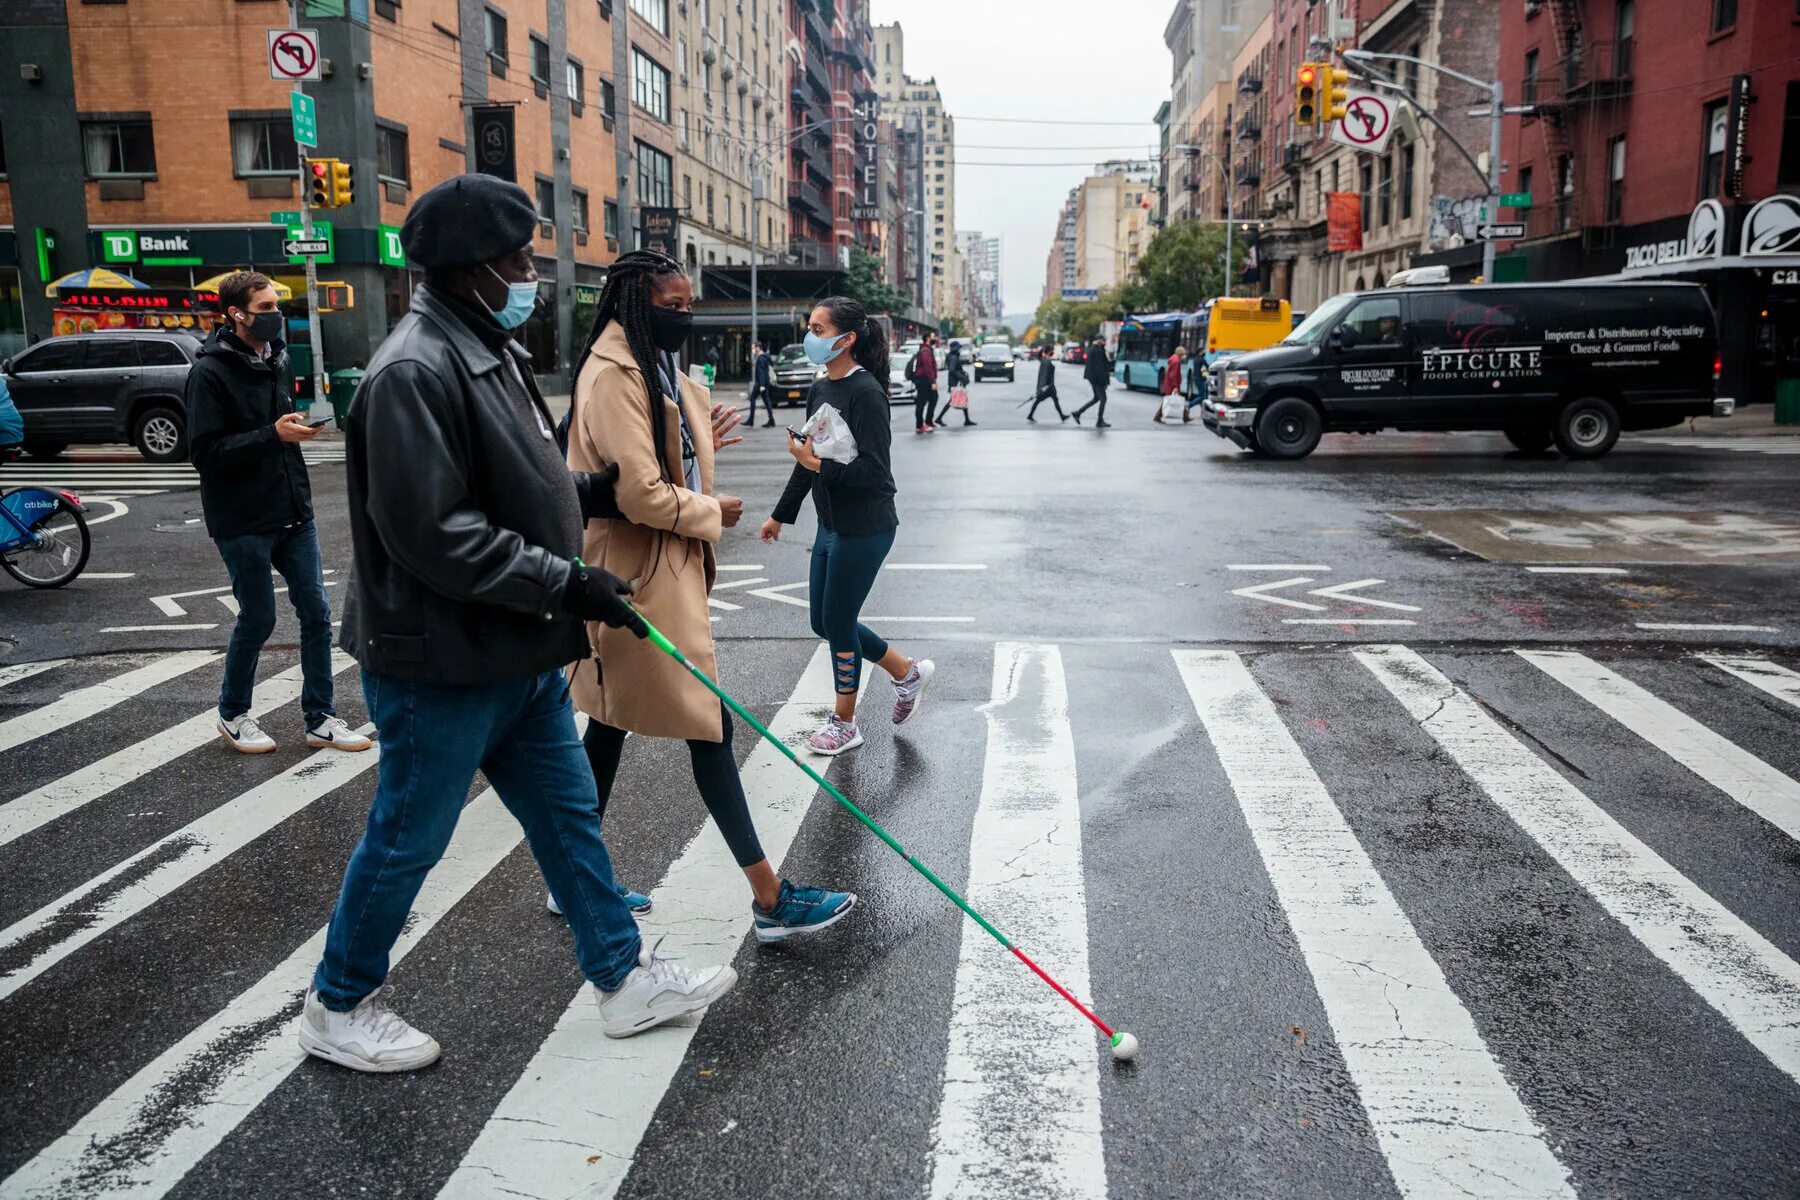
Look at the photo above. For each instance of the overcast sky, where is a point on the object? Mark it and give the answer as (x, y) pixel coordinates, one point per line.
(1054, 61)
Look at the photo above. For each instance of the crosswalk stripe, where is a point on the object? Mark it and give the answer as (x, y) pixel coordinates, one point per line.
(19, 671)
(1446, 1117)
(67, 793)
(1747, 779)
(1732, 967)
(1019, 1115)
(1760, 673)
(154, 1128)
(539, 1144)
(34, 944)
(86, 702)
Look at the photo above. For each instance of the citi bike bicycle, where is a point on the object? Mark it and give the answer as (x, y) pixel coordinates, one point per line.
(44, 541)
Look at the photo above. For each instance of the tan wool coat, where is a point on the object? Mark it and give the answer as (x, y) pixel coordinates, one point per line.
(664, 546)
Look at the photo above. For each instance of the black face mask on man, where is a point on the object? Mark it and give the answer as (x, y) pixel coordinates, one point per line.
(669, 328)
(263, 326)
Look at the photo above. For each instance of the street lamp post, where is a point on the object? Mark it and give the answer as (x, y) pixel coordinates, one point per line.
(1230, 209)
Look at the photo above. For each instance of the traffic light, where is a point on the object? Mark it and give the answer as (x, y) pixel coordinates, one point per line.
(342, 184)
(318, 182)
(1337, 93)
(1306, 99)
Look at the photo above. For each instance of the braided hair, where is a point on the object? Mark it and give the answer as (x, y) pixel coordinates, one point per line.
(626, 299)
(870, 348)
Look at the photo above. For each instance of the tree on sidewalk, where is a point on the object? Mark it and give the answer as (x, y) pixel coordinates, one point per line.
(867, 284)
(1183, 266)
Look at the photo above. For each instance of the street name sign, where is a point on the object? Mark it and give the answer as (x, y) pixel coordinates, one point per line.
(1368, 122)
(1515, 200)
(294, 55)
(295, 247)
(306, 121)
(1081, 293)
(1498, 233)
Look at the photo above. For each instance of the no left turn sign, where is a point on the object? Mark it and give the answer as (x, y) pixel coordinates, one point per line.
(294, 54)
(1367, 124)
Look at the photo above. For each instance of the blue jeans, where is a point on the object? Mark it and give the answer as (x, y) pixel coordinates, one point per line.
(521, 734)
(249, 559)
(843, 571)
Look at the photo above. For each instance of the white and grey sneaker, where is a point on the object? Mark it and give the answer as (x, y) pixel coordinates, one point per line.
(245, 735)
(370, 1037)
(909, 691)
(657, 990)
(334, 733)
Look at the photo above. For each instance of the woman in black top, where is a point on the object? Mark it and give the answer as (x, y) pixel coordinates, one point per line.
(857, 519)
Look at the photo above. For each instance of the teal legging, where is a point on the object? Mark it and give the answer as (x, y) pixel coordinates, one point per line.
(843, 571)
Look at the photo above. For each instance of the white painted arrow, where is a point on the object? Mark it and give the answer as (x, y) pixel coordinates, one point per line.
(1341, 591)
(776, 593)
(1257, 591)
(171, 609)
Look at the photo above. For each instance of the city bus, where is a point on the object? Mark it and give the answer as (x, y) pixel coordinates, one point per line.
(1234, 325)
(1145, 344)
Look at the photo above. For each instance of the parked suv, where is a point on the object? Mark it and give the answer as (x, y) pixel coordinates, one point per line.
(794, 375)
(122, 385)
(994, 358)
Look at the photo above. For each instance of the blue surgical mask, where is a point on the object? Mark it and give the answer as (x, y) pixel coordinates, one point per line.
(819, 350)
(521, 302)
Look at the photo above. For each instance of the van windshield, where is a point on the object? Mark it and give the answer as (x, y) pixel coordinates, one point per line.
(1313, 328)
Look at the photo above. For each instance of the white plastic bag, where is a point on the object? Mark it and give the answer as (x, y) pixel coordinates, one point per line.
(829, 435)
(1173, 406)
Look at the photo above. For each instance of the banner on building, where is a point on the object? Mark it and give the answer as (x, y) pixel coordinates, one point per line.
(494, 147)
(1343, 221)
(657, 229)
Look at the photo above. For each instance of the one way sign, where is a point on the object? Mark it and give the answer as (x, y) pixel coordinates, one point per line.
(295, 247)
(1498, 233)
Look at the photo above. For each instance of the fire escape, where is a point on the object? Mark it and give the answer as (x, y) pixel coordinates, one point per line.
(1589, 79)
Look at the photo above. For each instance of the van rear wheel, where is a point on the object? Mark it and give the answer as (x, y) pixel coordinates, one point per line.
(1532, 439)
(1587, 427)
(1289, 428)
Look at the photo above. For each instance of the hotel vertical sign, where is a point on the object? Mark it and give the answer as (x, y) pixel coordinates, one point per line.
(867, 204)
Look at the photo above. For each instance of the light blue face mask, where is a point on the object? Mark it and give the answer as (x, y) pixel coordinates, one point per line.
(521, 302)
(819, 350)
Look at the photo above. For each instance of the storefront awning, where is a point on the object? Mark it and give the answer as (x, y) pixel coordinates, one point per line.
(1681, 268)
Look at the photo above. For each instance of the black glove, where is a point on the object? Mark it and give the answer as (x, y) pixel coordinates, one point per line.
(596, 491)
(596, 595)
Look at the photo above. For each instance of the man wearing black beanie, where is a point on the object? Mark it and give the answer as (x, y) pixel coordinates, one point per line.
(465, 605)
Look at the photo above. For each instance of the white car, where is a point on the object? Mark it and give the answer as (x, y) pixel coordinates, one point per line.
(900, 388)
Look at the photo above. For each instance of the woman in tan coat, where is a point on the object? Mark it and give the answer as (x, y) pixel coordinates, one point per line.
(633, 409)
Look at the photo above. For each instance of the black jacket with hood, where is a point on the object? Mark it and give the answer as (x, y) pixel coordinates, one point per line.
(1099, 367)
(250, 480)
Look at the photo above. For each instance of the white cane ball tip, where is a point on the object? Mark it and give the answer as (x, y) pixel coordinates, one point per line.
(1124, 1047)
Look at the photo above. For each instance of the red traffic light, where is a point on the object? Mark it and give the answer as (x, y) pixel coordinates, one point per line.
(319, 170)
(1307, 74)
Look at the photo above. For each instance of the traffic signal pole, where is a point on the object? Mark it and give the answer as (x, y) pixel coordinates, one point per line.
(321, 403)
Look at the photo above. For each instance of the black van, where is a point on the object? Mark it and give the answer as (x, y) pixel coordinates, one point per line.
(1569, 363)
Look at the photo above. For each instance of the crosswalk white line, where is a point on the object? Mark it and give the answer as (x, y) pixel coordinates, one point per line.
(34, 944)
(1019, 1115)
(17, 671)
(1447, 1120)
(1761, 674)
(85, 702)
(1747, 779)
(538, 1143)
(154, 1128)
(1732, 967)
(67, 793)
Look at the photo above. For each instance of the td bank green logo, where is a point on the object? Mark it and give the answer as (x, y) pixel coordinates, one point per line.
(119, 247)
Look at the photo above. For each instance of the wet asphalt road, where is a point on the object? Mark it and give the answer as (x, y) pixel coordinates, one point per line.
(1467, 923)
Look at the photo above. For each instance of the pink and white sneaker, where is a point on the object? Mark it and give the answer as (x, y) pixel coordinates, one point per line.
(837, 737)
(909, 691)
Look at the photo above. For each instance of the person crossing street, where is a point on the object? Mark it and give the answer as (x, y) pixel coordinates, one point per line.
(762, 385)
(1046, 388)
(1098, 373)
(924, 376)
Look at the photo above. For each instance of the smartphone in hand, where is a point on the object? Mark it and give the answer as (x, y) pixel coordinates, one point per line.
(796, 434)
(319, 424)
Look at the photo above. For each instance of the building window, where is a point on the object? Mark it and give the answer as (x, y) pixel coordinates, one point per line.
(655, 177)
(654, 12)
(609, 212)
(1712, 149)
(1531, 78)
(709, 204)
(607, 99)
(1368, 183)
(263, 146)
(119, 148)
(390, 154)
(1386, 189)
(1615, 179)
(546, 200)
(540, 60)
(649, 85)
(1624, 26)
(1525, 180)
(496, 42)
(1787, 171)
(581, 210)
(1408, 164)
(572, 79)
(1724, 15)
(388, 9)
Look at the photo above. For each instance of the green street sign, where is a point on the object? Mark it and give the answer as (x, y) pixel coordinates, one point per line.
(1516, 200)
(283, 216)
(321, 229)
(306, 120)
(119, 246)
(388, 246)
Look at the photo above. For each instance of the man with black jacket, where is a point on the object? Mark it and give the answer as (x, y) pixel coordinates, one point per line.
(466, 604)
(1046, 388)
(245, 441)
(762, 384)
(1098, 373)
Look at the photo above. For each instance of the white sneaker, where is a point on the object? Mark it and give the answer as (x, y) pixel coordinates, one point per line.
(657, 990)
(334, 733)
(370, 1037)
(245, 735)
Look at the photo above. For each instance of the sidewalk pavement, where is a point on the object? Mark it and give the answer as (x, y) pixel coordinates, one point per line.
(1757, 420)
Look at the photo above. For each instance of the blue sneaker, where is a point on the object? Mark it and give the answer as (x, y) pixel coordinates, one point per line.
(800, 910)
(636, 901)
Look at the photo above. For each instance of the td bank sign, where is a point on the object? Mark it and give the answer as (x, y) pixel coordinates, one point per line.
(128, 246)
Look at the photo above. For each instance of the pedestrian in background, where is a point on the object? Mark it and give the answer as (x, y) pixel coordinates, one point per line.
(1098, 373)
(466, 605)
(955, 376)
(244, 438)
(713, 361)
(924, 369)
(12, 425)
(1171, 383)
(1046, 388)
(857, 518)
(762, 369)
(635, 410)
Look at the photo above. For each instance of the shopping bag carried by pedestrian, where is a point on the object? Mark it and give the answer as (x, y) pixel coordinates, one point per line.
(959, 398)
(830, 436)
(1173, 407)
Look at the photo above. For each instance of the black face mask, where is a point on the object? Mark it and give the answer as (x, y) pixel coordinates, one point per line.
(669, 328)
(265, 326)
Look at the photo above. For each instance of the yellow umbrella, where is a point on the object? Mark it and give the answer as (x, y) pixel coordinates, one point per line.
(282, 290)
(94, 277)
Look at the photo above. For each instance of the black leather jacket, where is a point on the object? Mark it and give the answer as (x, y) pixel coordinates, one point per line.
(463, 514)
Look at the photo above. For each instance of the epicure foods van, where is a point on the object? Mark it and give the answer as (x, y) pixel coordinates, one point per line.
(1574, 364)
